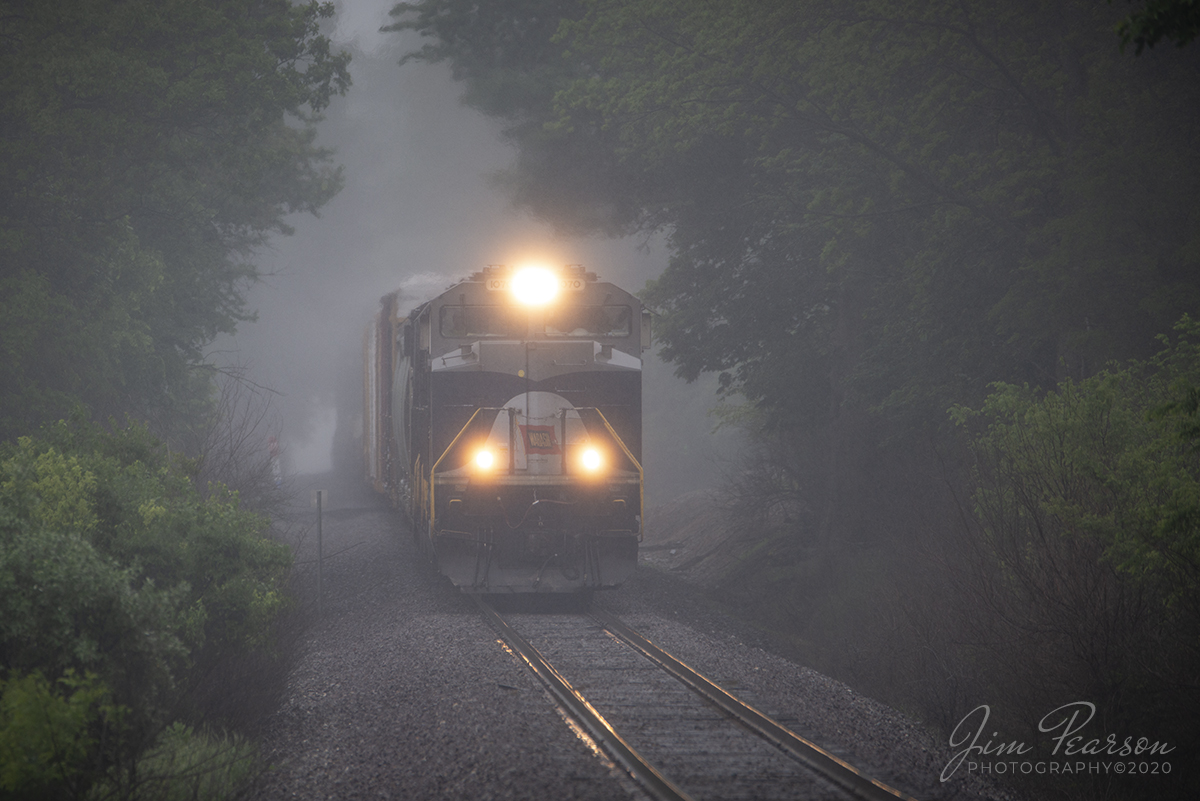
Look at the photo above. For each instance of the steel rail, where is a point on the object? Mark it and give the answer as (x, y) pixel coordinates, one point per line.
(583, 712)
(830, 767)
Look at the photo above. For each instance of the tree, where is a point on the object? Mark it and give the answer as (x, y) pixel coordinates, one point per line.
(1176, 21)
(120, 589)
(147, 148)
(874, 209)
(1084, 580)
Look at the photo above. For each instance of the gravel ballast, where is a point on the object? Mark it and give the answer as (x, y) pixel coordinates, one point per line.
(401, 690)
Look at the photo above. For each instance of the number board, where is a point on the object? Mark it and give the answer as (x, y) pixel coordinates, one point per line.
(568, 283)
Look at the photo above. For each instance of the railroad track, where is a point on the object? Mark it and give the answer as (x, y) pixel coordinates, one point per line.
(678, 734)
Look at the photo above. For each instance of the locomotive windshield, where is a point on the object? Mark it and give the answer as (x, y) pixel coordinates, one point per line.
(505, 322)
(476, 322)
(589, 321)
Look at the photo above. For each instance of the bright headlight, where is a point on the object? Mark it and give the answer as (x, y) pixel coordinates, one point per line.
(534, 286)
(591, 460)
(484, 459)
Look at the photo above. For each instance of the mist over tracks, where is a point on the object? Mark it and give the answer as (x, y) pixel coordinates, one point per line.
(401, 690)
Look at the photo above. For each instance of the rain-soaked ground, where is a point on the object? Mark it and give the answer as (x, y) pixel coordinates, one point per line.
(399, 689)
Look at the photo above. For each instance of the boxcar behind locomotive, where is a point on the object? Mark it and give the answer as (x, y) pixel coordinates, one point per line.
(505, 416)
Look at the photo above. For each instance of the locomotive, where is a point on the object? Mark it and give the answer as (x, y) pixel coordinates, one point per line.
(504, 415)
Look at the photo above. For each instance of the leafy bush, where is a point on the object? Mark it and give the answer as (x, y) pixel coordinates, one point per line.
(113, 567)
(1110, 462)
(186, 765)
(51, 741)
(1084, 581)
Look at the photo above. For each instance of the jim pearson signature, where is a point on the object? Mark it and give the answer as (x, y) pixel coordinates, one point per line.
(1066, 721)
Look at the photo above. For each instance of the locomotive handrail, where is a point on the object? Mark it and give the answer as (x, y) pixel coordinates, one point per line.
(641, 476)
(450, 447)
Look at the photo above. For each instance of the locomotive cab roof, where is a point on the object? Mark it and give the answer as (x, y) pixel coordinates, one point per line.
(506, 270)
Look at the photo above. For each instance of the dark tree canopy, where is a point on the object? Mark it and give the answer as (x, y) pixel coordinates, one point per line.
(889, 204)
(874, 209)
(877, 210)
(146, 148)
(1176, 21)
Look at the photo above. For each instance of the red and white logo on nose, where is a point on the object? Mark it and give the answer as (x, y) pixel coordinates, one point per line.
(540, 439)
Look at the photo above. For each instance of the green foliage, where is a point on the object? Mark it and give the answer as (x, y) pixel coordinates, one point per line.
(1176, 21)
(50, 735)
(113, 566)
(902, 201)
(66, 604)
(506, 54)
(1108, 460)
(1082, 578)
(187, 765)
(846, 173)
(56, 741)
(148, 147)
(874, 209)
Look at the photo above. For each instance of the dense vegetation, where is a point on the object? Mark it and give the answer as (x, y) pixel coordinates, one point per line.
(121, 590)
(147, 148)
(878, 212)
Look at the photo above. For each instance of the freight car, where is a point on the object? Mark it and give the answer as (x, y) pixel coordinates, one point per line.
(504, 415)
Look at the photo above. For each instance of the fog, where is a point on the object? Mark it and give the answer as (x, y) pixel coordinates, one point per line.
(418, 212)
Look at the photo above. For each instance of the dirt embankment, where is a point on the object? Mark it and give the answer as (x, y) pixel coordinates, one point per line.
(693, 537)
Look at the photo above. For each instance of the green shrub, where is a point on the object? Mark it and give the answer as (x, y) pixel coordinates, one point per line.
(1083, 578)
(1109, 461)
(52, 738)
(187, 765)
(66, 605)
(113, 566)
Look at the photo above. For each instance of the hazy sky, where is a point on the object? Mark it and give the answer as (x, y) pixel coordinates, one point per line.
(417, 211)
